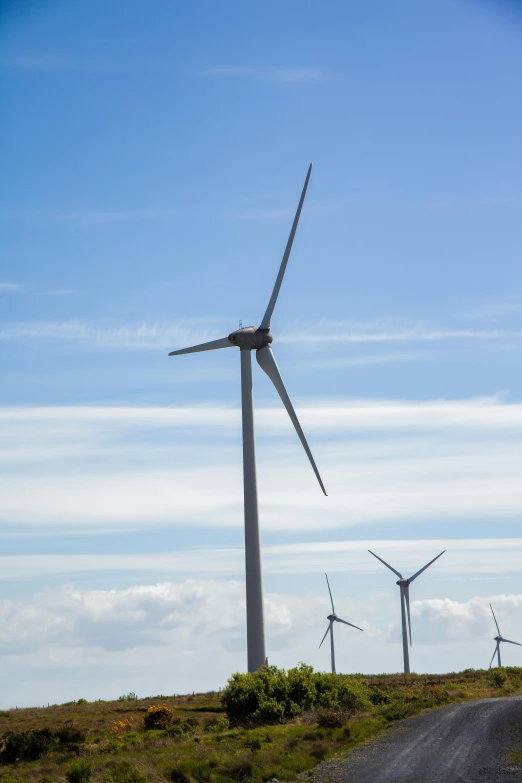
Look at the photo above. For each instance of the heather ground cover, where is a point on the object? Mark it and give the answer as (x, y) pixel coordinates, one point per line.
(274, 724)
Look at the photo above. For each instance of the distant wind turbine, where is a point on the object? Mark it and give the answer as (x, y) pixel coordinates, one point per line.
(332, 618)
(248, 339)
(499, 639)
(404, 585)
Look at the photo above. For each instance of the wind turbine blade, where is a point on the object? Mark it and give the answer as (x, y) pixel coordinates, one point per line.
(495, 619)
(510, 642)
(410, 580)
(265, 323)
(385, 563)
(326, 634)
(492, 657)
(267, 362)
(338, 620)
(407, 597)
(211, 346)
(331, 599)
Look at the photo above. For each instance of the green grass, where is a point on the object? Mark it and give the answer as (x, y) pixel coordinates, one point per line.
(198, 748)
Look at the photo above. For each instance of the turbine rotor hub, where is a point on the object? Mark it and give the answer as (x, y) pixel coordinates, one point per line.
(251, 337)
(499, 639)
(332, 617)
(402, 582)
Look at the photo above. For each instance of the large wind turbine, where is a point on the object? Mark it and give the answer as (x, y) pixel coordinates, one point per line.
(499, 639)
(404, 585)
(332, 618)
(247, 340)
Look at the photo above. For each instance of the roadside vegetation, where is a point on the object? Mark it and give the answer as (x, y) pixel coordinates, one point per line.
(271, 724)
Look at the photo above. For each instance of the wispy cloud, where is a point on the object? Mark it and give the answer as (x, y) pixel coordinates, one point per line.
(10, 287)
(113, 468)
(496, 311)
(282, 74)
(368, 360)
(172, 335)
(467, 557)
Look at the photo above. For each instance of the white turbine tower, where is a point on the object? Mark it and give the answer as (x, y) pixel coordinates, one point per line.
(499, 639)
(247, 340)
(332, 618)
(404, 585)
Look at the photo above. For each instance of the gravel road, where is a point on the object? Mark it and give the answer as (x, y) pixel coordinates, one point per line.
(465, 743)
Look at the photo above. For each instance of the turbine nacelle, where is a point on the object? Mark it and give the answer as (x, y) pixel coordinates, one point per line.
(250, 337)
(498, 639)
(402, 582)
(332, 617)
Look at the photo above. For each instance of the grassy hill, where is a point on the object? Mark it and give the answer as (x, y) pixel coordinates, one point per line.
(189, 739)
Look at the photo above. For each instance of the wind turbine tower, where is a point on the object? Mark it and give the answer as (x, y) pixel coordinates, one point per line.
(332, 618)
(404, 585)
(258, 339)
(498, 640)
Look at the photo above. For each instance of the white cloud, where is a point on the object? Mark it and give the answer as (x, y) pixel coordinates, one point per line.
(178, 636)
(380, 461)
(178, 335)
(443, 619)
(10, 287)
(462, 560)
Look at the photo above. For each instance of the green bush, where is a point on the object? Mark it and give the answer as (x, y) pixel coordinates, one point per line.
(179, 776)
(11, 779)
(254, 743)
(331, 719)
(158, 717)
(79, 771)
(271, 695)
(497, 677)
(123, 772)
(241, 769)
(70, 735)
(26, 745)
(217, 724)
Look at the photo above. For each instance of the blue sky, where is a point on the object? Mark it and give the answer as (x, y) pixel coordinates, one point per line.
(152, 162)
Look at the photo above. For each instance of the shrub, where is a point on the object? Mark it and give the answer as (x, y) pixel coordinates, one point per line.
(239, 770)
(497, 677)
(331, 719)
(379, 697)
(254, 743)
(128, 697)
(123, 772)
(82, 701)
(271, 695)
(11, 779)
(79, 771)
(26, 745)
(182, 728)
(318, 752)
(70, 735)
(158, 717)
(178, 776)
(217, 724)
